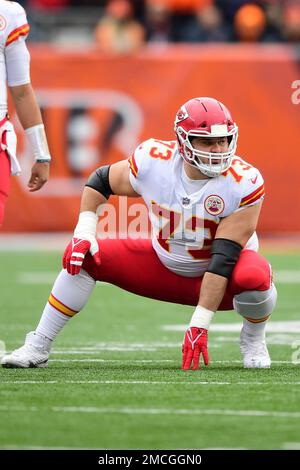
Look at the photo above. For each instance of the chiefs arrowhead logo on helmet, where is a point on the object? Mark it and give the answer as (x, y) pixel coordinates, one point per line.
(181, 115)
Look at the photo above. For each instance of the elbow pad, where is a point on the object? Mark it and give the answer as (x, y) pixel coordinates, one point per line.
(99, 180)
(225, 254)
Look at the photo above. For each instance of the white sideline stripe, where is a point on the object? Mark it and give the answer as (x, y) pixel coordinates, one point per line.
(272, 327)
(155, 411)
(45, 277)
(136, 382)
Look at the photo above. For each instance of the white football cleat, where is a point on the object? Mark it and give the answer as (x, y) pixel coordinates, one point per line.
(29, 355)
(254, 351)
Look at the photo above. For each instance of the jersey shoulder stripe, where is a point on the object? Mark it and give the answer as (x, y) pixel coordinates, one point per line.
(254, 196)
(16, 33)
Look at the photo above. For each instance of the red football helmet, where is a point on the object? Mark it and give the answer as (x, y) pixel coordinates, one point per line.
(205, 117)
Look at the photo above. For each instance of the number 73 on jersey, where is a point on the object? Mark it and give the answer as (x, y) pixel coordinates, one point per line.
(193, 232)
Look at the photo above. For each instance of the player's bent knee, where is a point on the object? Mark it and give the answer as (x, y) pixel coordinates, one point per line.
(252, 272)
(256, 305)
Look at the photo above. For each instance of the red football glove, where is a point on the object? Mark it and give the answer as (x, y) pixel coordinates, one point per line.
(194, 343)
(75, 252)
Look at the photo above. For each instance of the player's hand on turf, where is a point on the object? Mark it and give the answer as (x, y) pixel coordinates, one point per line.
(76, 250)
(194, 344)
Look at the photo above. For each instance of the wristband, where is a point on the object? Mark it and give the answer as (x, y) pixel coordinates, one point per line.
(38, 141)
(87, 224)
(201, 317)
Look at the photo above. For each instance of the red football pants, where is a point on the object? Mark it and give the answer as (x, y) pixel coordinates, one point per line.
(134, 266)
(4, 179)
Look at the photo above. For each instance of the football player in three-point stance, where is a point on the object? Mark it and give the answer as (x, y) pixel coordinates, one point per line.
(14, 70)
(204, 204)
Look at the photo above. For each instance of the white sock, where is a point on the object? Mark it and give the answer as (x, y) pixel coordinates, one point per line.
(254, 329)
(69, 295)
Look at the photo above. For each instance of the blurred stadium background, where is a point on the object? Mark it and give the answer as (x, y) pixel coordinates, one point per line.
(108, 75)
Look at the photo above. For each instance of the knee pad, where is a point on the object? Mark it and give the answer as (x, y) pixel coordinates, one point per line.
(256, 305)
(252, 272)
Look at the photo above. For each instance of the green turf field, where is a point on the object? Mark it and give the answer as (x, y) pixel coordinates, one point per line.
(114, 379)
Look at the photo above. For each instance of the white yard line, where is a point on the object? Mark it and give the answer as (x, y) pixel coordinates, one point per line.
(130, 347)
(288, 339)
(137, 382)
(115, 347)
(121, 345)
(151, 361)
(120, 349)
(154, 411)
(119, 361)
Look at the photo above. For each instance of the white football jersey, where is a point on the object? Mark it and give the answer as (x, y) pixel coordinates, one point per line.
(13, 27)
(185, 213)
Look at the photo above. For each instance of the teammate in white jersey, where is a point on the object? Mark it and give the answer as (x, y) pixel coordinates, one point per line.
(204, 204)
(15, 71)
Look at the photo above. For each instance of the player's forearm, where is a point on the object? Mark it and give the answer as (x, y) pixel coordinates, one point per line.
(86, 227)
(212, 291)
(211, 294)
(30, 117)
(26, 106)
(91, 200)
